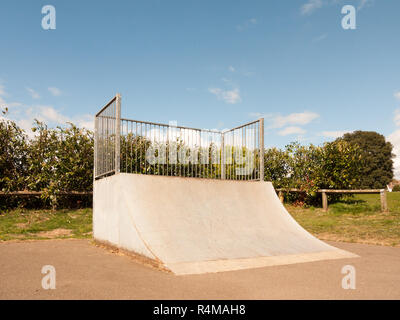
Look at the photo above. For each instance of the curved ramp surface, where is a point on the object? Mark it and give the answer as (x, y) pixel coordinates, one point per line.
(201, 225)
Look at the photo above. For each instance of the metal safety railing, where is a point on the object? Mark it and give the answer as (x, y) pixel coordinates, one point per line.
(141, 147)
(106, 138)
(161, 149)
(244, 149)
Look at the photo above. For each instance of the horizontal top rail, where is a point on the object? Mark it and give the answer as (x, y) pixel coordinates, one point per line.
(333, 191)
(241, 126)
(168, 125)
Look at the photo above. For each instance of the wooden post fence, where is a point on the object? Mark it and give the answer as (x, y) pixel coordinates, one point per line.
(325, 192)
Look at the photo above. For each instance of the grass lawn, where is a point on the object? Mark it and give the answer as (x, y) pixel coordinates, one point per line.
(20, 224)
(356, 219)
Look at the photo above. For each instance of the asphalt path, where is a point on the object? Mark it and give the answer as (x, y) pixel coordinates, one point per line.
(86, 271)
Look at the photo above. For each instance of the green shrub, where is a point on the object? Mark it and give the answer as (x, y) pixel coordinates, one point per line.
(396, 188)
(335, 165)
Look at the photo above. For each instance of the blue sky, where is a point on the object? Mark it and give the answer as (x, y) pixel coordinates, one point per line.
(207, 64)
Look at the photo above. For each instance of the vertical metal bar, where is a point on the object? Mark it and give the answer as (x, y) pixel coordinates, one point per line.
(117, 133)
(222, 156)
(246, 153)
(102, 145)
(146, 132)
(184, 152)
(237, 153)
(106, 140)
(125, 139)
(153, 135)
(254, 149)
(241, 154)
(159, 149)
(167, 147)
(232, 170)
(261, 121)
(136, 150)
(141, 150)
(95, 148)
(209, 155)
(131, 143)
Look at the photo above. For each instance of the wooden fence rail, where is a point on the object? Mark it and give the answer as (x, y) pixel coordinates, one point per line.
(38, 193)
(324, 192)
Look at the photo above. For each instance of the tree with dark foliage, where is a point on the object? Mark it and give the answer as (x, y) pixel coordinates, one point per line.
(377, 163)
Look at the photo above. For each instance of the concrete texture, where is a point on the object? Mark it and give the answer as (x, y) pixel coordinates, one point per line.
(84, 271)
(202, 225)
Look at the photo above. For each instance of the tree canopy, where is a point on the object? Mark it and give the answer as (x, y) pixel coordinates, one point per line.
(376, 153)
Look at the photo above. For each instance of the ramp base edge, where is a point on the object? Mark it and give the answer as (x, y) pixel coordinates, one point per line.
(186, 268)
(152, 263)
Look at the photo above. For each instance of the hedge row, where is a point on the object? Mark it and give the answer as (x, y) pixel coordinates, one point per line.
(60, 159)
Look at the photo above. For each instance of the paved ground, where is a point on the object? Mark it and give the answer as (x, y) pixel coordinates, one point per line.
(85, 271)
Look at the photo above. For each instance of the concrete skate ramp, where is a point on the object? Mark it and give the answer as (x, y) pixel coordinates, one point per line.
(200, 225)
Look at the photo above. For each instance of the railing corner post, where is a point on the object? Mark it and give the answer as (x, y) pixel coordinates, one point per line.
(261, 149)
(95, 153)
(118, 134)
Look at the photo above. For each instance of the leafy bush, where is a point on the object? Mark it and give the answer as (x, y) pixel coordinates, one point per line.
(13, 154)
(60, 160)
(335, 165)
(53, 161)
(396, 188)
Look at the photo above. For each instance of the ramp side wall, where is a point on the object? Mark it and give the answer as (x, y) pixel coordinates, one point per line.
(112, 222)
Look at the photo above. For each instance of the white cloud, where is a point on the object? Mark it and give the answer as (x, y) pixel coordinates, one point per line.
(310, 6)
(394, 138)
(334, 134)
(3, 102)
(25, 115)
(248, 23)
(229, 96)
(48, 113)
(291, 130)
(257, 115)
(397, 117)
(51, 115)
(364, 3)
(54, 91)
(301, 118)
(397, 95)
(33, 93)
(320, 38)
(231, 69)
